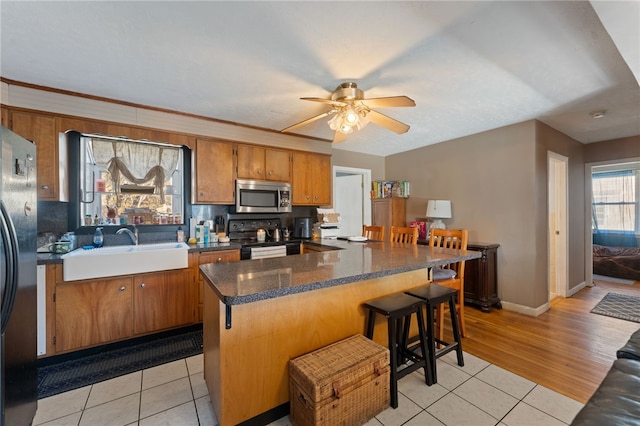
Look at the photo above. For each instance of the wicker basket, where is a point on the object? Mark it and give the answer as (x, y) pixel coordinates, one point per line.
(345, 383)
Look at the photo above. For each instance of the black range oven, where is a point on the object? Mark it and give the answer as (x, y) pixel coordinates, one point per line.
(245, 232)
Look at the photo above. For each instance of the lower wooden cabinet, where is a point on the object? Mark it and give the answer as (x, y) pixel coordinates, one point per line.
(163, 300)
(481, 277)
(220, 256)
(93, 312)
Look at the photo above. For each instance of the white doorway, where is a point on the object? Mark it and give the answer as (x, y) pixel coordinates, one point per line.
(351, 198)
(558, 225)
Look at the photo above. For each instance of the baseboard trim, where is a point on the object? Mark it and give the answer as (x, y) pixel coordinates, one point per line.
(525, 310)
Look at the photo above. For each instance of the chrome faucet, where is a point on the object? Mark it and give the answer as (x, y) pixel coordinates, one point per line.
(133, 235)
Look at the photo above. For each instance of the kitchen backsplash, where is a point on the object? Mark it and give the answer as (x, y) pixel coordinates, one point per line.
(53, 219)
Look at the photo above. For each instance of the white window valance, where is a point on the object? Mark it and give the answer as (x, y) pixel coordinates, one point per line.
(140, 163)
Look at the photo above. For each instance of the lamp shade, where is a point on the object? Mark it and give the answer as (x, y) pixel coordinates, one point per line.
(439, 209)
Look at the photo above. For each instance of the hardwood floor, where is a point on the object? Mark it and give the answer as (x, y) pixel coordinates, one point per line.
(566, 349)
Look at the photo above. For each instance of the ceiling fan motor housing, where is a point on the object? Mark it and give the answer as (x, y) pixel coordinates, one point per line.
(347, 92)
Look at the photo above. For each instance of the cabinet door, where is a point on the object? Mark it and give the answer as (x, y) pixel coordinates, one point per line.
(302, 182)
(215, 172)
(92, 312)
(163, 300)
(41, 129)
(251, 162)
(221, 256)
(277, 165)
(5, 117)
(321, 171)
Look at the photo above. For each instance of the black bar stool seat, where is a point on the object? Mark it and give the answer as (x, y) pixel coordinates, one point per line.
(398, 309)
(433, 295)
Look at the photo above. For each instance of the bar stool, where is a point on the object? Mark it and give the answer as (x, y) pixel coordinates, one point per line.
(398, 309)
(433, 295)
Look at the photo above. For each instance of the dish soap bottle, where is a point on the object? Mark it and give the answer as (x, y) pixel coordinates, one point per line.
(98, 239)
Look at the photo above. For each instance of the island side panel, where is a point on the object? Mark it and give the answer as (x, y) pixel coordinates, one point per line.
(251, 366)
(211, 345)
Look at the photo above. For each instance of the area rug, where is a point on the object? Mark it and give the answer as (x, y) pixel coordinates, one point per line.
(95, 365)
(619, 306)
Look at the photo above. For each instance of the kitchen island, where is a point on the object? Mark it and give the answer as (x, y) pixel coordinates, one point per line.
(259, 314)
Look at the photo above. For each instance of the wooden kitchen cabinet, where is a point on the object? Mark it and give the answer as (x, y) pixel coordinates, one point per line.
(92, 312)
(4, 117)
(219, 256)
(41, 129)
(481, 277)
(388, 212)
(215, 174)
(311, 179)
(255, 162)
(163, 300)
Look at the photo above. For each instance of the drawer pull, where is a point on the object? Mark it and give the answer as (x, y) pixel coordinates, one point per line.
(123, 288)
(142, 285)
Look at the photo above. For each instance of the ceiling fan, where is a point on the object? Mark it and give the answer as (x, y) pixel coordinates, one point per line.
(351, 110)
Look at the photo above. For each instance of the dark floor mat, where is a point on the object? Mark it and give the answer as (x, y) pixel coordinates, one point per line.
(88, 367)
(619, 306)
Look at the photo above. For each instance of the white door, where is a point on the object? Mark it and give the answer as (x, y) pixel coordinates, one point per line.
(351, 187)
(558, 226)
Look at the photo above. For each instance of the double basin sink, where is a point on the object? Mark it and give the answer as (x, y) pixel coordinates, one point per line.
(110, 261)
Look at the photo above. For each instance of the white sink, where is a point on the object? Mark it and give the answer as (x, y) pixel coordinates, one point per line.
(124, 260)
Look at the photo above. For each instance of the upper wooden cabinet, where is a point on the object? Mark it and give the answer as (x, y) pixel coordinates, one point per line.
(5, 117)
(311, 180)
(214, 172)
(255, 162)
(41, 129)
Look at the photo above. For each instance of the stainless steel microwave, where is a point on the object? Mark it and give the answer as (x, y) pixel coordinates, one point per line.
(254, 196)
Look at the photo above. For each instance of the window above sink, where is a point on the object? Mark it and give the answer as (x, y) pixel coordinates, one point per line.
(124, 181)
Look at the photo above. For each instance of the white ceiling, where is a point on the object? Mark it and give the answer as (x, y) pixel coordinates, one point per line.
(470, 66)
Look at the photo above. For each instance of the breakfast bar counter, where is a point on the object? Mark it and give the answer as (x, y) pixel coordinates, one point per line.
(259, 314)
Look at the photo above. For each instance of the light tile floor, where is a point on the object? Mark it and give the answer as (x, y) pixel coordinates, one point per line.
(175, 394)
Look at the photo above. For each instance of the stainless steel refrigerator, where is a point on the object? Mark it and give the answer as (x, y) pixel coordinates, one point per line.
(18, 211)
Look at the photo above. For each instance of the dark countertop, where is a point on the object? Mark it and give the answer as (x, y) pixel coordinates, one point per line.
(249, 281)
(51, 258)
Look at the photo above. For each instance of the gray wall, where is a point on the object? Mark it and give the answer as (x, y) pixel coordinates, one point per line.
(497, 182)
(491, 181)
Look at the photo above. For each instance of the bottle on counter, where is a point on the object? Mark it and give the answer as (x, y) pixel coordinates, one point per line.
(180, 234)
(98, 238)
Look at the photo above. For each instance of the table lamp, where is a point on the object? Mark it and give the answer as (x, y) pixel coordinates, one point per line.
(438, 209)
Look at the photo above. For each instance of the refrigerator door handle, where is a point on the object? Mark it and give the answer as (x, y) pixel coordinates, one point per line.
(10, 252)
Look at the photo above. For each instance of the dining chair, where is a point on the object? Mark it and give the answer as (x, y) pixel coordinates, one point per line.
(402, 234)
(451, 275)
(373, 232)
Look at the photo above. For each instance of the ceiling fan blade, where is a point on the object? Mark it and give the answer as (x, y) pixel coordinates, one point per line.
(325, 101)
(387, 122)
(307, 121)
(339, 137)
(392, 101)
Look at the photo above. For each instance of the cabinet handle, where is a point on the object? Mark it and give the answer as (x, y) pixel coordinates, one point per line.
(142, 285)
(123, 288)
(308, 197)
(45, 187)
(219, 260)
(270, 173)
(259, 172)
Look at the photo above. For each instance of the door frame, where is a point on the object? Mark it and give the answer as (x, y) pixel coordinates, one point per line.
(366, 183)
(558, 205)
(588, 232)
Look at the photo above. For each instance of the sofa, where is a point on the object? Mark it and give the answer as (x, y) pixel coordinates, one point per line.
(618, 262)
(617, 399)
